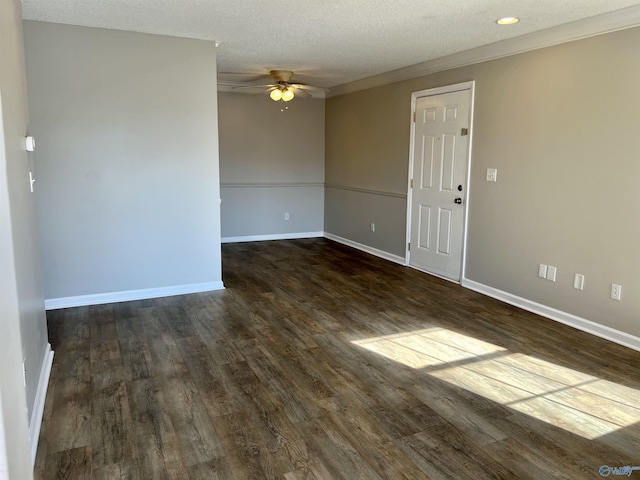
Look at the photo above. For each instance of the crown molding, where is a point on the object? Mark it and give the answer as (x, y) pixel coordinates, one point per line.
(588, 27)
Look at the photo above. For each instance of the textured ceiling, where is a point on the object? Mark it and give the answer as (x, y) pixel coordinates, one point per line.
(327, 43)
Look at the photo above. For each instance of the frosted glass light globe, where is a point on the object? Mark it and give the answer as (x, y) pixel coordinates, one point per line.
(287, 95)
(276, 94)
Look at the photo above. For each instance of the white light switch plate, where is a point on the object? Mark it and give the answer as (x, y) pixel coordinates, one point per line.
(542, 271)
(551, 273)
(492, 174)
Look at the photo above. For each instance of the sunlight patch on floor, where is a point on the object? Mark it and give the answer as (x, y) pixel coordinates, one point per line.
(582, 404)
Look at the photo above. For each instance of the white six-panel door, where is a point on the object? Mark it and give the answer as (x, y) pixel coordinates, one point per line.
(439, 178)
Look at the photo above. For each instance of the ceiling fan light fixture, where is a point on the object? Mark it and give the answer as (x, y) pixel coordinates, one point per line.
(287, 94)
(276, 94)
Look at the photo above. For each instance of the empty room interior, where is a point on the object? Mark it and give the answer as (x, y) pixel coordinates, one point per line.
(252, 240)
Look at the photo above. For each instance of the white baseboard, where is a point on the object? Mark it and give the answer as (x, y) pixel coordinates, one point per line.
(38, 405)
(365, 248)
(574, 321)
(113, 297)
(275, 236)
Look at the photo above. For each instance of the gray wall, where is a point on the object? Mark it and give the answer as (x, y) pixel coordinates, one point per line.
(271, 162)
(354, 210)
(126, 125)
(560, 125)
(22, 318)
(366, 168)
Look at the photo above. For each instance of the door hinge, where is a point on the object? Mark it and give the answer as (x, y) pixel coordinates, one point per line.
(412, 183)
(408, 246)
(464, 132)
(414, 117)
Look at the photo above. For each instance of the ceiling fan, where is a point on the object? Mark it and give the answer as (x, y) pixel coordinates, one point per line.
(278, 85)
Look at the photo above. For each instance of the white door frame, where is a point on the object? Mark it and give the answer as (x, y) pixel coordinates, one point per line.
(414, 97)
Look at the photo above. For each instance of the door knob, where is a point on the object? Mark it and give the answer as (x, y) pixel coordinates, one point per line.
(458, 200)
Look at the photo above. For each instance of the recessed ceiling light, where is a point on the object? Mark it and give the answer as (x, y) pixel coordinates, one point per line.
(508, 21)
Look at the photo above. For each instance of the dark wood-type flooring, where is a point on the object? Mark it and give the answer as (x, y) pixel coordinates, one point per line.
(321, 362)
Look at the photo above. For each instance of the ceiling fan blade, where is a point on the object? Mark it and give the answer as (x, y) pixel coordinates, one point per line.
(244, 77)
(244, 86)
(258, 82)
(254, 83)
(303, 86)
(301, 93)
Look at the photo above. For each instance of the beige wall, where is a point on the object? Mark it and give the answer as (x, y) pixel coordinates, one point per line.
(560, 125)
(22, 319)
(271, 162)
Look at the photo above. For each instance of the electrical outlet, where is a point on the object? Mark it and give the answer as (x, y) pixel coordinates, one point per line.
(373, 227)
(616, 291)
(286, 216)
(492, 174)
